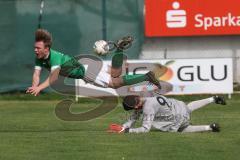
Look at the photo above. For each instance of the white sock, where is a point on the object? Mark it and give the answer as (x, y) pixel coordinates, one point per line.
(200, 103)
(211, 99)
(200, 128)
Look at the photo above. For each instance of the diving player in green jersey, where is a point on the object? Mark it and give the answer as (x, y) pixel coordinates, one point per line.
(70, 67)
(60, 64)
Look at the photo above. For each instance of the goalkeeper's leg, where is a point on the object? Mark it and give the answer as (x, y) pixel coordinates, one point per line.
(201, 103)
(194, 105)
(202, 128)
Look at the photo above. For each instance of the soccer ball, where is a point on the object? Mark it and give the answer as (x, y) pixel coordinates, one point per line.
(101, 47)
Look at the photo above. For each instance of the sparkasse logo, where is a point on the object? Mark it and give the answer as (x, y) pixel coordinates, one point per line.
(176, 18)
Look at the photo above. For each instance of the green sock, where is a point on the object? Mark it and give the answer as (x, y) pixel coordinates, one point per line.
(117, 59)
(134, 79)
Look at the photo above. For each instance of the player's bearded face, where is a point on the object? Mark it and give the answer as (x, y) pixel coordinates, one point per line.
(40, 50)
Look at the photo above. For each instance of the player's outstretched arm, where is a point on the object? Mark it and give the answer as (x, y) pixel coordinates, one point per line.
(36, 77)
(53, 76)
(116, 128)
(132, 119)
(35, 80)
(146, 126)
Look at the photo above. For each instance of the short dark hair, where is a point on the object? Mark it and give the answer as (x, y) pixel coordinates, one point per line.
(45, 36)
(129, 102)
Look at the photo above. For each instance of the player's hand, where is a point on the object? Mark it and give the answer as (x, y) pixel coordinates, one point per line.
(116, 128)
(33, 90)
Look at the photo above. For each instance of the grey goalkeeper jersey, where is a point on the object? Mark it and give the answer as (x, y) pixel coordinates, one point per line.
(162, 113)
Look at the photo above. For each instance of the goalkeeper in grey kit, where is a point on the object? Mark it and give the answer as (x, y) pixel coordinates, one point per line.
(164, 114)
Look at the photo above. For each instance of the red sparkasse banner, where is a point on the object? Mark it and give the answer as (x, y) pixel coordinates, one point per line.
(192, 17)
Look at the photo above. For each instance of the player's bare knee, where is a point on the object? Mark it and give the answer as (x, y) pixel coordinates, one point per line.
(116, 83)
(116, 72)
(113, 84)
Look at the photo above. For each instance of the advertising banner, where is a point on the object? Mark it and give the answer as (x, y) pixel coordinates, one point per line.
(186, 76)
(191, 17)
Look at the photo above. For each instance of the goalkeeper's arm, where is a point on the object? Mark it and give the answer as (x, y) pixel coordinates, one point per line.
(146, 126)
(132, 119)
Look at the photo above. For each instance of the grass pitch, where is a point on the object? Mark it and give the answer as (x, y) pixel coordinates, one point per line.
(30, 130)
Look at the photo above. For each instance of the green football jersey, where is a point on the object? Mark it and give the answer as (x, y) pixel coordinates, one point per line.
(69, 66)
